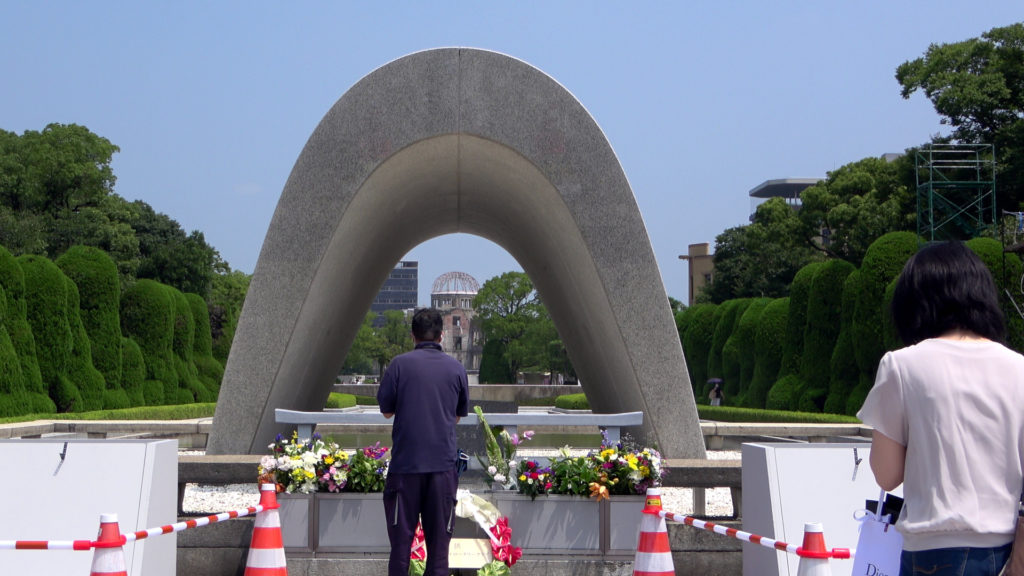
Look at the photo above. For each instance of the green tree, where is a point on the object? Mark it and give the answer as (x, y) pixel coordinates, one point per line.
(168, 255)
(361, 354)
(746, 346)
(977, 86)
(392, 339)
(63, 167)
(760, 259)
(227, 294)
(507, 305)
(842, 215)
(844, 375)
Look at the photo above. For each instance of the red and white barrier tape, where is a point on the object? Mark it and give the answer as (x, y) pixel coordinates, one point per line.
(128, 536)
(838, 553)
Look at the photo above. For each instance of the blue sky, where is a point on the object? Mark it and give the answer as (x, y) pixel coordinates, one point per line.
(211, 102)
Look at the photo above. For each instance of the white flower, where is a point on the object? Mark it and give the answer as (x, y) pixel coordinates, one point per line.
(492, 470)
(499, 478)
(309, 459)
(268, 463)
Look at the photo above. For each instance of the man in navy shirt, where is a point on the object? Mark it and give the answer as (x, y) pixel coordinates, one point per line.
(427, 392)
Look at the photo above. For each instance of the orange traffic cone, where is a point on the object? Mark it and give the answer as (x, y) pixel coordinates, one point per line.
(108, 559)
(266, 552)
(653, 554)
(813, 554)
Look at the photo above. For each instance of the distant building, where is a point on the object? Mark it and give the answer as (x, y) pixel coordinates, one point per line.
(788, 189)
(399, 292)
(702, 268)
(452, 294)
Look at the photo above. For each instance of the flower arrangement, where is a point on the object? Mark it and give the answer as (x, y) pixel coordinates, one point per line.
(318, 465)
(501, 452)
(619, 468)
(487, 516)
(622, 468)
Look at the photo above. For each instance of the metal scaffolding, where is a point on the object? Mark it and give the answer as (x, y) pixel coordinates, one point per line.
(956, 190)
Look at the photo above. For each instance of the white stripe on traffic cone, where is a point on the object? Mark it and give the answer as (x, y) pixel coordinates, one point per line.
(653, 554)
(266, 552)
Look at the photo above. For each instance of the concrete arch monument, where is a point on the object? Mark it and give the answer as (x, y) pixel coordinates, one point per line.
(439, 142)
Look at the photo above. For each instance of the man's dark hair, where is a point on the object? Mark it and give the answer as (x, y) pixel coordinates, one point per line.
(946, 287)
(427, 324)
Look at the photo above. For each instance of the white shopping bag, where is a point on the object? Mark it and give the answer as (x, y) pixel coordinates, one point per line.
(879, 545)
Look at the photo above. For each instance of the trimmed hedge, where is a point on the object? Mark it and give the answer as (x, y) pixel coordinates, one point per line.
(786, 392)
(731, 353)
(133, 374)
(99, 289)
(47, 312)
(147, 317)
(725, 322)
(13, 395)
(843, 373)
(211, 371)
(80, 368)
(1008, 271)
(12, 279)
(338, 400)
(745, 339)
(182, 345)
(572, 402)
(882, 262)
(700, 330)
(771, 331)
(824, 320)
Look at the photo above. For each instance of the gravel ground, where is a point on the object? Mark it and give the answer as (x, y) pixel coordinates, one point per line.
(201, 499)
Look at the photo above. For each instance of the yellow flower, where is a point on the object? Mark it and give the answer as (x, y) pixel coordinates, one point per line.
(328, 459)
(522, 477)
(607, 452)
(631, 459)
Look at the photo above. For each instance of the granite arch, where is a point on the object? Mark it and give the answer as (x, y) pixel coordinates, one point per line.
(445, 141)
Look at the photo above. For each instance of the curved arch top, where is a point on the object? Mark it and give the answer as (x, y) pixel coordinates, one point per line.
(445, 141)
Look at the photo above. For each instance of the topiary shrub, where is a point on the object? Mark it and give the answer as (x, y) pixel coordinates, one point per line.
(14, 399)
(12, 279)
(47, 312)
(824, 321)
(796, 323)
(745, 338)
(785, 393)
(697, 343)
(147, 317)
(882, 262)
(1008, 273)
(771, 331)
(99, 290)
(843, 372)
(80, 369)
(182, 344)
(725, 322)
(211, 371)
(133, 375)
(731, 354)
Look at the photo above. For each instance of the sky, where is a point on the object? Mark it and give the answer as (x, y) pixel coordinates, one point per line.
(212, 102)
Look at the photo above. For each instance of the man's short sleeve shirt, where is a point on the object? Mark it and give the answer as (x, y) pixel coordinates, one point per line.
(426, 390)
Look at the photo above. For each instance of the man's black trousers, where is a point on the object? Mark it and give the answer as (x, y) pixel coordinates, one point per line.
(410, 498)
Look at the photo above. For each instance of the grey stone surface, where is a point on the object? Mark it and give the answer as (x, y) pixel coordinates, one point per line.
(438, 142)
